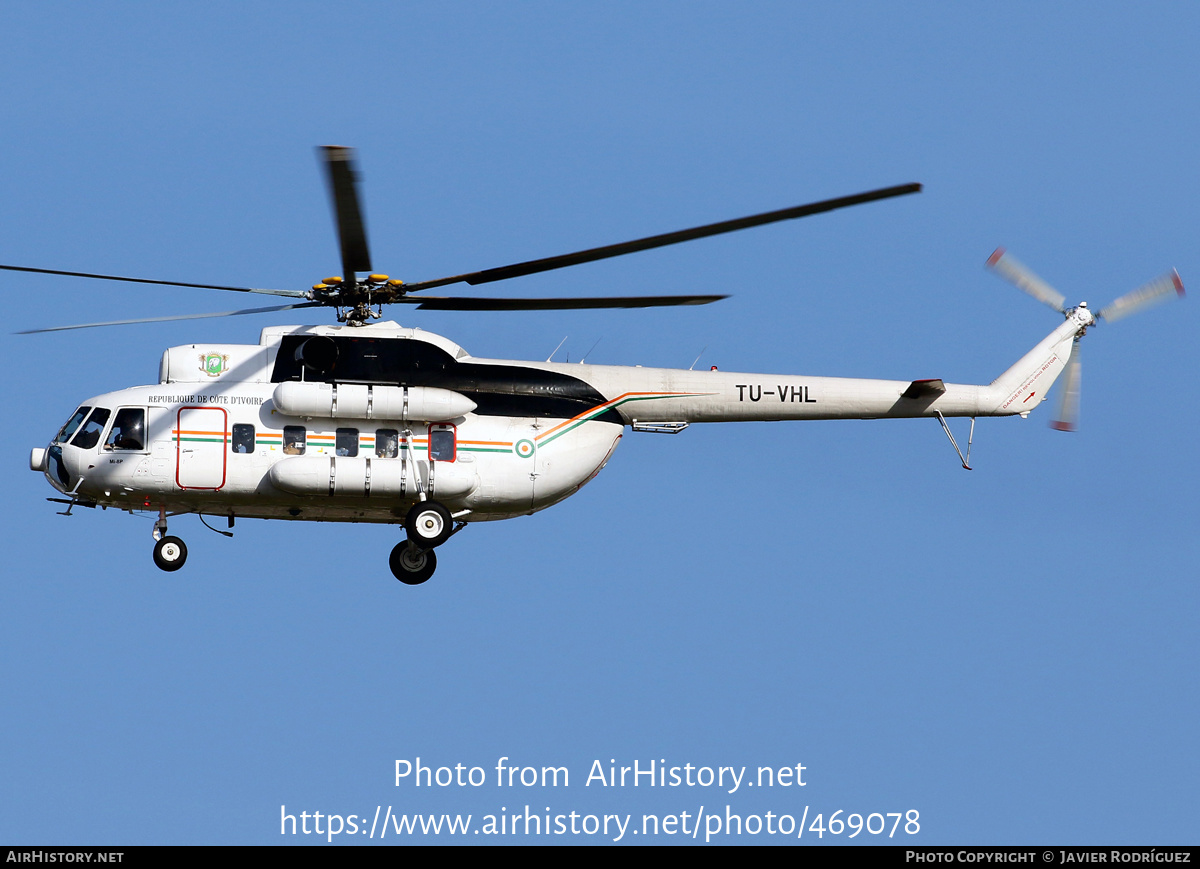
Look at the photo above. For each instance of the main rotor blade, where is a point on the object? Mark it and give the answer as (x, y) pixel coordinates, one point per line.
(343, 187)
(460, 303)
(1145, 296)
(265, 310)
(597, 253)
(1066, 417)
(293, 293)
(1015, 272)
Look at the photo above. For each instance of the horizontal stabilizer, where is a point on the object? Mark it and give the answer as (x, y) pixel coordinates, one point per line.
(924, 388)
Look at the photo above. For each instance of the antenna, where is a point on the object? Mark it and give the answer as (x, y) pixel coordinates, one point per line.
(556, 349)
(697, 359)
(590, 349)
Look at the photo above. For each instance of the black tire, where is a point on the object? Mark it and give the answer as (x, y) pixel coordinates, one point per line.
(170, 553)
(412, 565)
(428, 524)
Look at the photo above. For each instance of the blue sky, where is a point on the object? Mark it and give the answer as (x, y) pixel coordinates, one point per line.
(1010, 652)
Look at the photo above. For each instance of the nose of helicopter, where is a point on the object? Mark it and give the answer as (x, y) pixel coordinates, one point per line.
(50, 461)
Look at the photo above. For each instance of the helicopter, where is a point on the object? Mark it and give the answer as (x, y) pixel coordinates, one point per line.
(370, 421)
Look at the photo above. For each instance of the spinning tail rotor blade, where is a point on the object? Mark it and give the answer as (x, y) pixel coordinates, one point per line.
(1145, 296)
(1016, 273)
(343, 187)
(1066, 417)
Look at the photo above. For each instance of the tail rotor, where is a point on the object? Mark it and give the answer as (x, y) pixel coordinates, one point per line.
(1162, 289)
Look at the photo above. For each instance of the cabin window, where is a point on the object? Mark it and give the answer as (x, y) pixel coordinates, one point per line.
(387, 443)
(128, 431)
(441, 443)
(346, 442)
(89, 435)
(295, 439)
(243, 438)
(64, 433)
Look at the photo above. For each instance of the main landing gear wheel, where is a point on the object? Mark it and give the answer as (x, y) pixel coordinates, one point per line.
(411, 565)
(170, 553)
(428, 524)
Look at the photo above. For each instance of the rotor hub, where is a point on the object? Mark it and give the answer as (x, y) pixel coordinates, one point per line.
(1082, 315)
(358, 300)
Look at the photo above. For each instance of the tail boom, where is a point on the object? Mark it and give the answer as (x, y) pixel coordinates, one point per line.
(665, 394)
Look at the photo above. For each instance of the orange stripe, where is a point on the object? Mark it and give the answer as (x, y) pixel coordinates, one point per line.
(590, 411)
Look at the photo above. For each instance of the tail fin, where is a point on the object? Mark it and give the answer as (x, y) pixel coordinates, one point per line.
(1025, 385)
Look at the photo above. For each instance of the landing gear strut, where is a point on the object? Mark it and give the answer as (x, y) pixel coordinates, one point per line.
(411, 565)
(169, 552)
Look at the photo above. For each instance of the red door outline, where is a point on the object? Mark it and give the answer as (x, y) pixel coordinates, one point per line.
(453, 429)
(179, 446)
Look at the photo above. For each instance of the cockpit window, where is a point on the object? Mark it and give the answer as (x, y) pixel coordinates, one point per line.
(64, 433)
(128, 430)
(89, 435)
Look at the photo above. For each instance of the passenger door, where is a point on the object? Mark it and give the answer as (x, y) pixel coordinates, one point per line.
(201, 438)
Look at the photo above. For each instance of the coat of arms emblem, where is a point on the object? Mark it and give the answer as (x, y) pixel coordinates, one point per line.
(214, 364)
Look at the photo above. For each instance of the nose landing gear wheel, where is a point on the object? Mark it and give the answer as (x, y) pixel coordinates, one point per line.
(410, 565)
(428, 524)
(170, 553)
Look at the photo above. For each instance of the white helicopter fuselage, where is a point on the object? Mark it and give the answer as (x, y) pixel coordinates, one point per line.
(378, 423)
(381, 417)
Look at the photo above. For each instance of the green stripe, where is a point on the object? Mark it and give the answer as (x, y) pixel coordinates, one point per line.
(603, 409)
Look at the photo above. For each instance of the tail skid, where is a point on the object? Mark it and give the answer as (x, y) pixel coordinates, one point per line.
(1024, 385)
